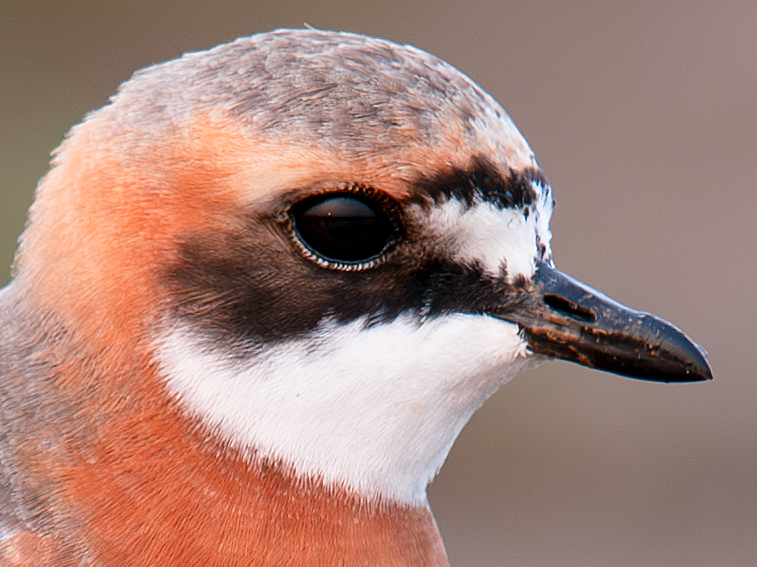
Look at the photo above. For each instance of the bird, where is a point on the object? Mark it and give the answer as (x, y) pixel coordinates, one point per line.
(259, 294)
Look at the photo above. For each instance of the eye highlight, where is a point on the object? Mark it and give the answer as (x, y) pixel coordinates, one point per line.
(346, 228)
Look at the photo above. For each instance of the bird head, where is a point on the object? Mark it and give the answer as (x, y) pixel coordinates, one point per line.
(329, 249)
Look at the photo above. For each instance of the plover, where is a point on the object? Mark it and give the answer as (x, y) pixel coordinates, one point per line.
(258, 296)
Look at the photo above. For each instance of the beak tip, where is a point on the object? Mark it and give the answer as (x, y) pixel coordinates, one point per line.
(702, 371)
(697, 367)
(677, 359)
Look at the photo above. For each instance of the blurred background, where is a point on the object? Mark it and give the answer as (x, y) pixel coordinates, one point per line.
(644, 116)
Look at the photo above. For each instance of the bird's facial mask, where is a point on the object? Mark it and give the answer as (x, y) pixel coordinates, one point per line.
(347, 318)
(502, 239)
(368, 328)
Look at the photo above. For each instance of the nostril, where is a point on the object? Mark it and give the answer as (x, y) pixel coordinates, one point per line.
(569, 308)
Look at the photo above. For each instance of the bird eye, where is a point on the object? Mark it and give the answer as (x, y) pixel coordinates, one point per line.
(343, 227)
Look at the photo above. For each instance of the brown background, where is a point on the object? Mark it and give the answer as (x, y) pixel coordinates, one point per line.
(644, 115)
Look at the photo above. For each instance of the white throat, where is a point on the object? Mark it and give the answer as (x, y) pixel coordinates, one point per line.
(372, 408)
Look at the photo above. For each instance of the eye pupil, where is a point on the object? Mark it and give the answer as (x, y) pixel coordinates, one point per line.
(345, 228)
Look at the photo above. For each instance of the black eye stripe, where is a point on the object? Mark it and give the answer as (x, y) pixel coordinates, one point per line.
(482, 181)
(345, 229)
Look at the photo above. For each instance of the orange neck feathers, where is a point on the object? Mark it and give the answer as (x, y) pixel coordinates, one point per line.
(150, 488)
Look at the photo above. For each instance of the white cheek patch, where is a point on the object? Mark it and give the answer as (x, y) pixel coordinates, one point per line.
(375, 409)
(497, 239)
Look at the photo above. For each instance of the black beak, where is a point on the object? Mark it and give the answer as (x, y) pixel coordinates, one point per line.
(563, 318)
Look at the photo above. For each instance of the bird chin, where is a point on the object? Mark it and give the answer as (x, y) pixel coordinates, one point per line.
(375, 407)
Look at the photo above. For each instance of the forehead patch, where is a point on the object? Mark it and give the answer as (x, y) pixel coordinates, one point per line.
(499, 241)
(480, 218)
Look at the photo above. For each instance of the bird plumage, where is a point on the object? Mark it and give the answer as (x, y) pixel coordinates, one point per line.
(259, 294)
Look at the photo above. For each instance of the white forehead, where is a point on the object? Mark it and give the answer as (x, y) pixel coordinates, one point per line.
(501, 241)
